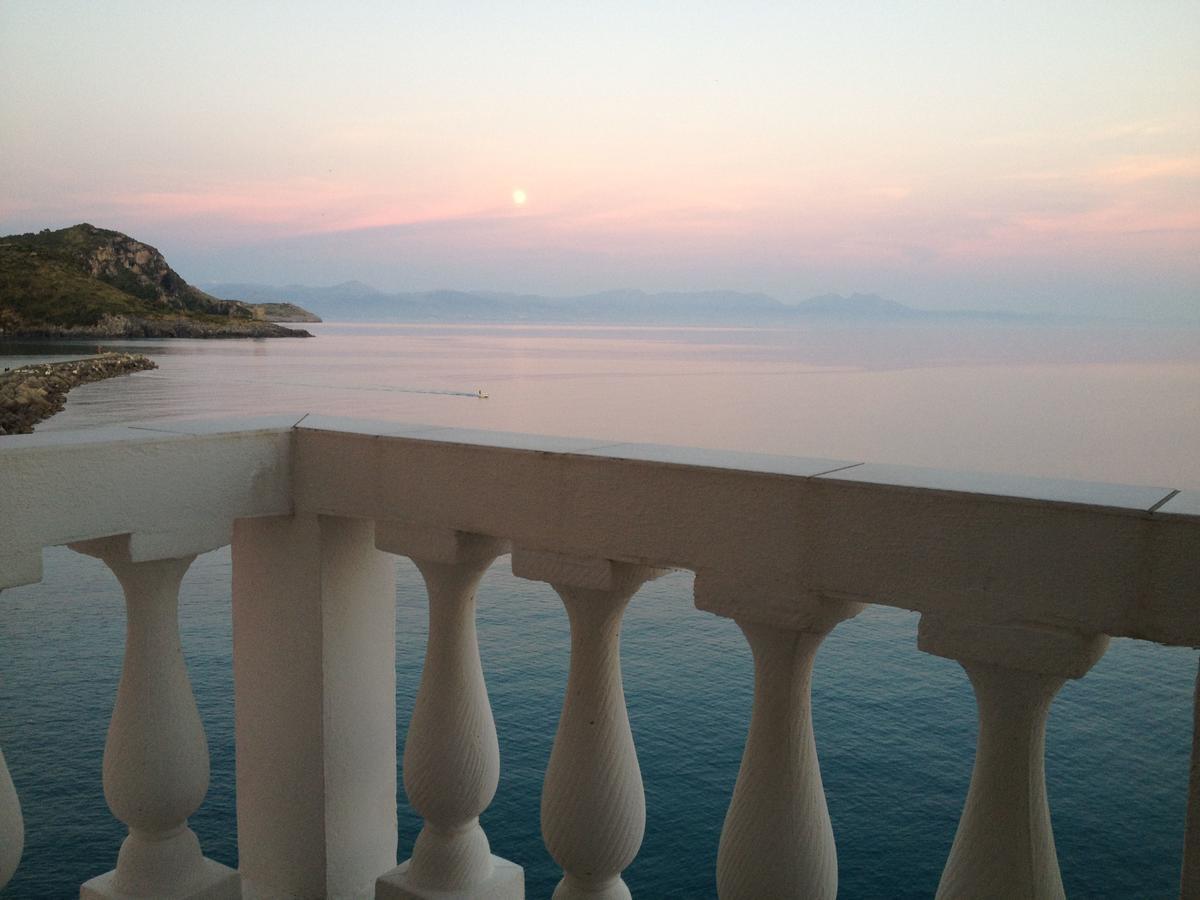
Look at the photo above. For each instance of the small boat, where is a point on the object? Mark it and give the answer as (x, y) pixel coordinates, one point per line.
(480, 394)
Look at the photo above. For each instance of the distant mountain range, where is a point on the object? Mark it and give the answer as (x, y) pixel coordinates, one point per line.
(353, 301)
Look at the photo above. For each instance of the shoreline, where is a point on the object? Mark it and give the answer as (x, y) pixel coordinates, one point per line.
(127, 327)
(32, 394)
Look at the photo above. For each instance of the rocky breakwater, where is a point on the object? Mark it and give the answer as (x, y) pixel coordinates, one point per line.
(29, 394)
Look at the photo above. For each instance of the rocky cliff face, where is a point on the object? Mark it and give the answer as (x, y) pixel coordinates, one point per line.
(139, 269)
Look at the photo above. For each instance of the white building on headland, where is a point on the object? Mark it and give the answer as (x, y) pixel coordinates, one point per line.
(1023, 581)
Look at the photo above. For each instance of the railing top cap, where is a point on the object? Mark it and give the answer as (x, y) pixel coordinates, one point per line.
(1185, 504)
(733, 460)
(1134, 499)
(151, 429)
(1118, 497)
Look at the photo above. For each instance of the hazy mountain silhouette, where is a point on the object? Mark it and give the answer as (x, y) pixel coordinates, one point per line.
(857, 305)
(354, 301)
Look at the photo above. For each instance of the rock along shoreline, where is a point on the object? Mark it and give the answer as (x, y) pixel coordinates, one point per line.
(31, 394)
(122, 327)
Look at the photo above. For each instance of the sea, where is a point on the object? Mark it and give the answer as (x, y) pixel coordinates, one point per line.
(895, 728)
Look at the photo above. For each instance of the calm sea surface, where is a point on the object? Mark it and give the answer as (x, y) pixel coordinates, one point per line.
(895, 728)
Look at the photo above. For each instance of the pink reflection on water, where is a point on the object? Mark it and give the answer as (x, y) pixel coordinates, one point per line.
(1098, 403)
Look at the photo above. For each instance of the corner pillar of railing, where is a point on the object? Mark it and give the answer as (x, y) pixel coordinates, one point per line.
(156, 765)
(451, 754)
(593, 804)
(15, 569)
(12, 827)
(314, 659)
(20, 565)
(777, 840)
(1189, 880)
(1004, 846)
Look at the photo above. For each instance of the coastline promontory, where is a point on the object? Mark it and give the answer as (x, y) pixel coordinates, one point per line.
(85, 281)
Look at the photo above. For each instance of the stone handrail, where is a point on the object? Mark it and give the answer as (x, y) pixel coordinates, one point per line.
(1021, 580)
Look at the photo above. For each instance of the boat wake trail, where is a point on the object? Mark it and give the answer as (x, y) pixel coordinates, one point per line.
(388, 388)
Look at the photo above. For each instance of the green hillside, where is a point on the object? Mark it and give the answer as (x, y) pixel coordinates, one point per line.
(88, 280)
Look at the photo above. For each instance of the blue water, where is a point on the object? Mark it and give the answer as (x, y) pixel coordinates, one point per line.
(895, 731)
(895, 728)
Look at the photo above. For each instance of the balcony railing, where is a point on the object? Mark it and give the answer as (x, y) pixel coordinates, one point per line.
(1023, 581)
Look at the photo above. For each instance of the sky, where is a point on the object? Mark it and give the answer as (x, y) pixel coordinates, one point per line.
(1038, 157)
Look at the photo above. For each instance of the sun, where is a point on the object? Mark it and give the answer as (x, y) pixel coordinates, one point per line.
(519, 197)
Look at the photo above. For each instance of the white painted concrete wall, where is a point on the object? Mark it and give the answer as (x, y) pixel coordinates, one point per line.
(1021, 580)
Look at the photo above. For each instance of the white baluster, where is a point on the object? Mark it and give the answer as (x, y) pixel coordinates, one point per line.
(777, 840)
(593, 806)
(156, 755)
(12, 828)
(451, 754)
(1004, 846)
